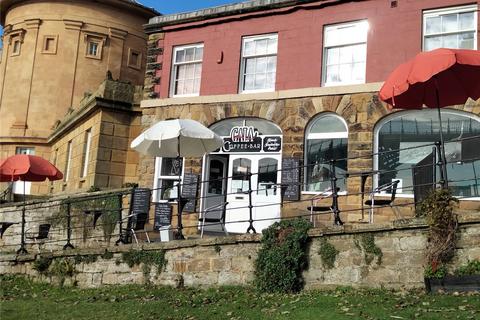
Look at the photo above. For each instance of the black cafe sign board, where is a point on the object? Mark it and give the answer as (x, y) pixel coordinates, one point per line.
(247, 139)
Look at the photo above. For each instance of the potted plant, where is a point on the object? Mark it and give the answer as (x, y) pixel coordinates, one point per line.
(465, 278)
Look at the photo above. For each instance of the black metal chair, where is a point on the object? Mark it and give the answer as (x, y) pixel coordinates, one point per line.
(220, 219)
(318, 209)
(137, 222)
(43, 234)
(372, 202)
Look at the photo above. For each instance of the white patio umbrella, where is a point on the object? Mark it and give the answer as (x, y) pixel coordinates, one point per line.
(177, 138)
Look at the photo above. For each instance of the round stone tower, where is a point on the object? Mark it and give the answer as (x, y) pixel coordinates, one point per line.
(54, 53)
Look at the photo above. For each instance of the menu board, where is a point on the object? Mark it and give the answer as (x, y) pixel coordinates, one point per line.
(189, 191)
(162, 215)
(141, 200)
(291, 177)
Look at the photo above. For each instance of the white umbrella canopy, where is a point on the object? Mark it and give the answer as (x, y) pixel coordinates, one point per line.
(177, 138)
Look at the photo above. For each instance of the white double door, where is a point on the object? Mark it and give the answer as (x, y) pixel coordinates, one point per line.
(265, 195)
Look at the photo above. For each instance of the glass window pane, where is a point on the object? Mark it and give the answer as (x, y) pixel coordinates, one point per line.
(449, 22)
(267, 176)
(261, 46)
(261, 65)
(168, 189)
(272, 46)
(270, 81)
(196, 86)
(181, 72)
(249, 82)
(198, 70)
(327, 124)
(419, 128)
(332, 74)
(249, 48)
(433, 25)
(240, 170)
(171, 167)
(260, 80)
(333, 56)
(346, 54)
(450, 41)
(466, 41)
(319, 153)
(432, 43)
(345, 73)
(179, 88)
(272, 64)
(359, 53)
(189, 54)
(199, 53)
(250, 66)
(467, 20)
(358, 72)
(180, 57)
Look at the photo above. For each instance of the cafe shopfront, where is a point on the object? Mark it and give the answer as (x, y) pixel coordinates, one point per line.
(250, 159)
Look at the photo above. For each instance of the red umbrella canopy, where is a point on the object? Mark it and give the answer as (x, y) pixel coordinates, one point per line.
(438, 78)
(28, 168)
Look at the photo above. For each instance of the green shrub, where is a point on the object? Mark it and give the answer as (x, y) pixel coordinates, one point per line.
(283, 256)
(370, 249)
(328, 253)
(471, 268)
(438, 272)
(148, 258)
(41, 264)
(438, 207)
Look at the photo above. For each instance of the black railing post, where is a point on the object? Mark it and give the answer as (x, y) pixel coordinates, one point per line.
(250, 206)
(442, 164)
(121, 238)
(69, 245)
(179, 213)
(336, 211)
(22, 249)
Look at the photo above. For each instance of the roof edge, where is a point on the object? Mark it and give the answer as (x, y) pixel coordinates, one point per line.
(221, 11)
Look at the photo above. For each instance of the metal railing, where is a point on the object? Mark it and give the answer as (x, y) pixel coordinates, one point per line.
(118, 215)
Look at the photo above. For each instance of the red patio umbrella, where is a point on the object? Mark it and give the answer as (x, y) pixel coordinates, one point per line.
(435, 79)
(27, 168)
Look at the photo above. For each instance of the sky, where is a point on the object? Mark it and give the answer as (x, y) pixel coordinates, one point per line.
(174, 6)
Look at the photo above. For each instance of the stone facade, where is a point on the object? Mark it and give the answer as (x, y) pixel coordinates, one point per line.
(57, 52)
(292, 110)
(112, 116)
(230, 261)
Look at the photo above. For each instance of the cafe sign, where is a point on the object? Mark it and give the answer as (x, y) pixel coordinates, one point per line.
(247, 139)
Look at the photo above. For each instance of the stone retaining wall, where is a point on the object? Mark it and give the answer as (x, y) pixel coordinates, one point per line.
(230, 260)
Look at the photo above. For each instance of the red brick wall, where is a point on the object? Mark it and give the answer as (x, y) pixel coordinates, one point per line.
(395, 35)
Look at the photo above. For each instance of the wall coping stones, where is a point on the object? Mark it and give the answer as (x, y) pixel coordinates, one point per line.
(282, 94)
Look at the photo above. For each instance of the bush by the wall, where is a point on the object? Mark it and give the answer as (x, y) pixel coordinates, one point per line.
(282, 257)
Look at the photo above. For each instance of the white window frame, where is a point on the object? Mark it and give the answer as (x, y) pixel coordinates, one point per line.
(326, 46)
(451, 10)
(68, 161)
(157, 182)
(173, 77)
(86, 153)
(244, 58)
(322, 136)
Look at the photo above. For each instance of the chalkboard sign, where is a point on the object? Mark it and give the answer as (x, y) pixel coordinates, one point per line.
(141, 200)
(189, 191)
(291, 177)
(163, 215)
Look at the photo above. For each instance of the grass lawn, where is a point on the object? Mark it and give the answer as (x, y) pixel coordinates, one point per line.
(22, 299)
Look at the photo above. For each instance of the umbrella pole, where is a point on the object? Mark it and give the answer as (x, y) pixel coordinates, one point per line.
(443, 158)
(179, 199)
(22, 249)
